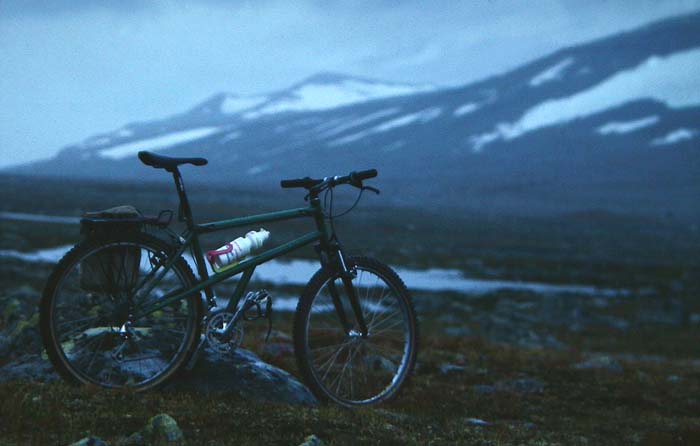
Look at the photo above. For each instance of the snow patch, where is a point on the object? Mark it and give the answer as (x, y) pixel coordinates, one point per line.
(359, 121)
(467, 108)
(552, 73)
(124, 133)
(257, 169)
(674, 137)
(622, 127)
(234, 104)
(325, 96)
(394, 146)
(159, 142)
(230, 137)
(673, 80)
(421, 117)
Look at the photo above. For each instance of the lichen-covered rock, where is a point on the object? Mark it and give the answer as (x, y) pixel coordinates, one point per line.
(312, 440)
(90, 441)
(162, 430)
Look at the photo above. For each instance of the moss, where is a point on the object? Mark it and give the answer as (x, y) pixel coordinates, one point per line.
(9, 312)
(32, 322)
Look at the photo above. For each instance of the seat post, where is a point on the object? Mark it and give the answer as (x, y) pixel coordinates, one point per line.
(184, 202)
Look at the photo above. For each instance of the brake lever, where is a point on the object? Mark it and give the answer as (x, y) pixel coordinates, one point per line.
(371, 189)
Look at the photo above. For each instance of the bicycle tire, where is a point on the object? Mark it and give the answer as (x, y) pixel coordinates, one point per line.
(60, 351)
(358, 351)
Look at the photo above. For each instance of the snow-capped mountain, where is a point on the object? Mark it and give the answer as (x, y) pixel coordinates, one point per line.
(611, 124)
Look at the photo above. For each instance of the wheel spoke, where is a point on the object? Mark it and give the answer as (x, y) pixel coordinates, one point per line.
(352, 369)
(92, 300)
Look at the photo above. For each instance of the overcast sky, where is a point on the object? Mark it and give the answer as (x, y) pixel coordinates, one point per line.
(72, 68)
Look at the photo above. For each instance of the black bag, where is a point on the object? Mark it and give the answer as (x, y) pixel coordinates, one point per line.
(116, 268)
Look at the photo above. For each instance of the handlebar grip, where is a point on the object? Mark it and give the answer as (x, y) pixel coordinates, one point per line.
(306, 182)
(365, 174)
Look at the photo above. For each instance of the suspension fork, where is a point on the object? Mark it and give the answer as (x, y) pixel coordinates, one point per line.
(339, 265)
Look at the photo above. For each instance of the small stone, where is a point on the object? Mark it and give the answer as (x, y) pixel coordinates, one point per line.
(521, 385)
(312, 440)
(447, 369)
(162, 430)
(602, 362)
(484, 389)
(477, 422)
(674, 379)
(90, 441)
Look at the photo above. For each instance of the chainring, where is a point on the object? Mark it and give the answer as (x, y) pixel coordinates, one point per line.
(217, 322)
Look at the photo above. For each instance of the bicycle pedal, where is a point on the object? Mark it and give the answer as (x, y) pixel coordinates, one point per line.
(261, 301)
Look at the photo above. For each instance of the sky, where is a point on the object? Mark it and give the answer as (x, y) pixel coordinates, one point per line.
(73, 68)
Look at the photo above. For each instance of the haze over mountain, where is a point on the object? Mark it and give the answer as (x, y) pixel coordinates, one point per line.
(613, 124)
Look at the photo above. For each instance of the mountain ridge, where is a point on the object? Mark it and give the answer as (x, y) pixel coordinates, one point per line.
(584, 120)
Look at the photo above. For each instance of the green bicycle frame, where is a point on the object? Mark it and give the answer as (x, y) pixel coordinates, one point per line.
(190, 240)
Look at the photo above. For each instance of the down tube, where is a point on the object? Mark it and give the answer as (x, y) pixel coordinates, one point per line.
(244, 265)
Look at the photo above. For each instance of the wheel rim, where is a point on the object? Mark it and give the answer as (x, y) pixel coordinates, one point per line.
(350, 369)
(91, 307)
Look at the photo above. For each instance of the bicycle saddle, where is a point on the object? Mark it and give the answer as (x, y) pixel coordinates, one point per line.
(168, 162)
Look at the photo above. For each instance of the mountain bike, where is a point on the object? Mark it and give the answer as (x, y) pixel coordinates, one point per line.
(123, 308)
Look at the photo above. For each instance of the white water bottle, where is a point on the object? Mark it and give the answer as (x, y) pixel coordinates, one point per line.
(237, 249)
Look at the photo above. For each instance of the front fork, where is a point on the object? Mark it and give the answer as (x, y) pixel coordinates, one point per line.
(333, 258)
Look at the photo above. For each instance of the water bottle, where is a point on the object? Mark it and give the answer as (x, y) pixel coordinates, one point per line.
(238, 249)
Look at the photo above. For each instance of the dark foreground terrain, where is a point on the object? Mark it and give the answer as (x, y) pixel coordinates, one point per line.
(615, 366)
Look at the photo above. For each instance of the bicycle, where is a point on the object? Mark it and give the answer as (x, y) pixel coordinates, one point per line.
(123, 308)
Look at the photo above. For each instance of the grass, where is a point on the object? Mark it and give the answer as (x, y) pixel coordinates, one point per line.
(576, 407)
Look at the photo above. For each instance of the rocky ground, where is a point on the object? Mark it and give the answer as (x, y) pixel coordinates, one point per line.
(502, 368)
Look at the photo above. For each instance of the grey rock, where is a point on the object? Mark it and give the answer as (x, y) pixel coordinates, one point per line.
(244, 373)
(484, 389)
(312, 440)
(447, 369)
(28, 367)
(521, 385)
(600, 362)
(162, 430)
(90, 441)
(278, 349)
(477, 422)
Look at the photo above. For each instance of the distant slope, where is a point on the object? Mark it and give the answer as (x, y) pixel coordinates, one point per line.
(613, 124)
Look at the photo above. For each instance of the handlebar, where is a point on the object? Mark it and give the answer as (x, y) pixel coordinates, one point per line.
(354, 178)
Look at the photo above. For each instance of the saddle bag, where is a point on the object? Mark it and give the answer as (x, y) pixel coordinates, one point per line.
(116, 268)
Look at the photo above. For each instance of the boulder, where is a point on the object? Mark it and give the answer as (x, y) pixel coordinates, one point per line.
(244, 373)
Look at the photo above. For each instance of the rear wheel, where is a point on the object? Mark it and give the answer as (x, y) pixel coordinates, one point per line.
(86, 306)
(341, 365)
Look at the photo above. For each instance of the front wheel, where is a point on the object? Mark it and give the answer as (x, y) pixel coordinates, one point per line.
(337, 362)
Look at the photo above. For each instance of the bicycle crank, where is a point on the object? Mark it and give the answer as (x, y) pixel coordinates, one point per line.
(220, 337)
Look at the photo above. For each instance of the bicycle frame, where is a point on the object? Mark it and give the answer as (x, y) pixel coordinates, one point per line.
(190, 240)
